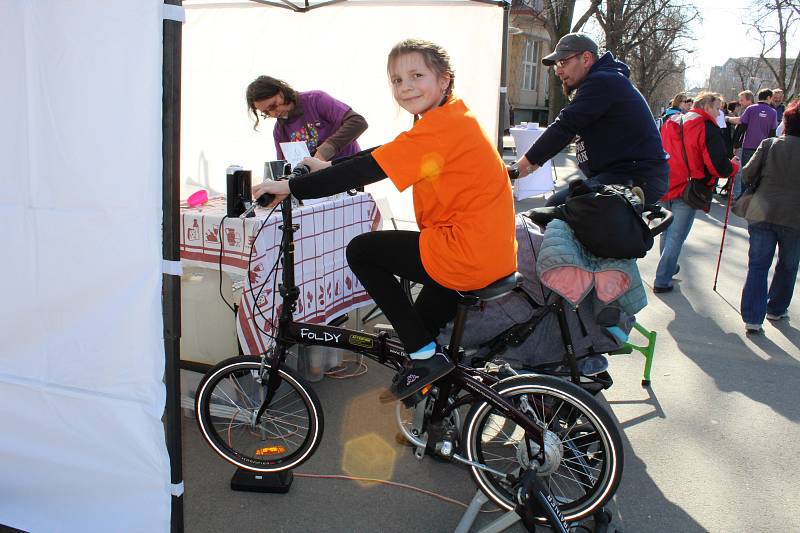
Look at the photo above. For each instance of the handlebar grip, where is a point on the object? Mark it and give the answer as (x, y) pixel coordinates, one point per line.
(265, 199)
(513, 172)
(657, 211)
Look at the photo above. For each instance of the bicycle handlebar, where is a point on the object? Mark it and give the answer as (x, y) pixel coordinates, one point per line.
(300, 170)
(652, 212)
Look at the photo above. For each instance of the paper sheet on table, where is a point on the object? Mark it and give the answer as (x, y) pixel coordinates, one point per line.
(538, 182)
(294, 152)
(535, 183)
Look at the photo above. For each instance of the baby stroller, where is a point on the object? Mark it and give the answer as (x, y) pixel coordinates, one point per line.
(560, 322)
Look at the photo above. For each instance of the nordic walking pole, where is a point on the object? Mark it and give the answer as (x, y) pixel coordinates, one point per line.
(724, 229)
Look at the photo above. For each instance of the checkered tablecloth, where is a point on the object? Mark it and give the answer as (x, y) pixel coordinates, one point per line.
(328, 287)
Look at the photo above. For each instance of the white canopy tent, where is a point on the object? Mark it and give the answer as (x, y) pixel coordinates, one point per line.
(92, 179)
(82, 355)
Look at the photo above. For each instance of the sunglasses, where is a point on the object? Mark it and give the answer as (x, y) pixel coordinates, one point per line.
(561, 62)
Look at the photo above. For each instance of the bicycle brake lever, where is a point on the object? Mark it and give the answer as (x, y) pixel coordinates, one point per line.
(250, 209)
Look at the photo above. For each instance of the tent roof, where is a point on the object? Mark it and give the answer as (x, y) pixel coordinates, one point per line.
(307, 5)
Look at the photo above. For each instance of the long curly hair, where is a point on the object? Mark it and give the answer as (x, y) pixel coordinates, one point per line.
(264, 87)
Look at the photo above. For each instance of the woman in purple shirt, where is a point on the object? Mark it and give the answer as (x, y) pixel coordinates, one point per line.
(327, 126)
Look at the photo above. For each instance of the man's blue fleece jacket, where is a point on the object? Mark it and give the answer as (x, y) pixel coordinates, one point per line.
(615, 130)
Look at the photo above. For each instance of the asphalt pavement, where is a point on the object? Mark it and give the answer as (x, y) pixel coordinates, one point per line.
(711, 445)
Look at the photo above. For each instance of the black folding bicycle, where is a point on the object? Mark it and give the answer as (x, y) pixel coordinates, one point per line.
(536, 444)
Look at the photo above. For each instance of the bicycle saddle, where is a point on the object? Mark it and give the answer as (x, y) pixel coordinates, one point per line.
(499, 288)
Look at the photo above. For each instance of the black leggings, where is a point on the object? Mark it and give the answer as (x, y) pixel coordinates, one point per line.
(376, 258)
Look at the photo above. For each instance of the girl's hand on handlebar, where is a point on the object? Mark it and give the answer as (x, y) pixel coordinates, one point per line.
(314, 164)
(278, 188)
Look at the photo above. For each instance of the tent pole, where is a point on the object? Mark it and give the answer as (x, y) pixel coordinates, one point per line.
(503, 80)
(171, 283)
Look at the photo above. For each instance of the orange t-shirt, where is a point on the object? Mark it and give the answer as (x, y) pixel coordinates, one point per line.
(462, 196)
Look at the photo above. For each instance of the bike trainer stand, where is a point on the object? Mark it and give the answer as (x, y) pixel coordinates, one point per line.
(601, 519)
(274, 482)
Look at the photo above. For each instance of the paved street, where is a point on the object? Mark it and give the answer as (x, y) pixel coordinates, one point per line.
(711, 446)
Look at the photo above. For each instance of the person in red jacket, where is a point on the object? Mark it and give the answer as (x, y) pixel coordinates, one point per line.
(696, 150)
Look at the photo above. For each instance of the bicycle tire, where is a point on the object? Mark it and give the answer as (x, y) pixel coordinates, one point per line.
(592, 463)
(282, 440)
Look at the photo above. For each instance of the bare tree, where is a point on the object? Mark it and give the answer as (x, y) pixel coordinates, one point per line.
(650, 32)
(774, 23)
(626, 24)
(655, 56)
(747, 71)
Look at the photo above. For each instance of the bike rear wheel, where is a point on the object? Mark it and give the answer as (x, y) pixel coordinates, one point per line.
(583, 448)
(228, 399)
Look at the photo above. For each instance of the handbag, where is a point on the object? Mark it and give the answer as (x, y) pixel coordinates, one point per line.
(741, 203)
(606, 219)
(697, 194)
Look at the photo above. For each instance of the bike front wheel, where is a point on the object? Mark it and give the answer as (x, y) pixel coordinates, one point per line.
(583, 454)
(228, 400)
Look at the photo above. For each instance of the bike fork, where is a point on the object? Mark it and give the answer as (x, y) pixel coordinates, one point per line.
(273, 379)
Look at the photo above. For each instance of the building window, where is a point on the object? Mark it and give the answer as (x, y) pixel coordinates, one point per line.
(530, 64)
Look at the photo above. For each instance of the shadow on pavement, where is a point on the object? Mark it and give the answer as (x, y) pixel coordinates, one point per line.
(651, 400)
(789, 331)
(734, 366)
(639, 504)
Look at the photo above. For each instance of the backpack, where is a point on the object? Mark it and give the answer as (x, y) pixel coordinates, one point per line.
(606, 219)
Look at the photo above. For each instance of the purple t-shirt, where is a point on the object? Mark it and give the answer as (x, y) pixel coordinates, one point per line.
(322, 116)
(760, 118)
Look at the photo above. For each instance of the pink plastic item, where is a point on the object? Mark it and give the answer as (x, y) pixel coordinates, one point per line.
(198, 198)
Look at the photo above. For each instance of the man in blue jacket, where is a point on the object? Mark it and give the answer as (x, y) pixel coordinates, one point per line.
(615, 135)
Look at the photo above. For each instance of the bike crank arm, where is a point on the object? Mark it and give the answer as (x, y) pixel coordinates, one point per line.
(480, 466)
(417, 442)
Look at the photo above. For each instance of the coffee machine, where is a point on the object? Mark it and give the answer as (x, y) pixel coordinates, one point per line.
(275, 169)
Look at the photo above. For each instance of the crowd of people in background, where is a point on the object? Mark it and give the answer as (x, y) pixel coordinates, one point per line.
(753, 143)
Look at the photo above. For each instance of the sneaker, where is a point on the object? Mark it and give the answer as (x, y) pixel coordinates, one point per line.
(415, 375)
(657, 289)
(781, 316)
(754, 329)
(677, 269)
(593, 365)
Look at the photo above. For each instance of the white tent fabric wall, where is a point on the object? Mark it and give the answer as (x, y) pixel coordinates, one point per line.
(340, 49)
(82, 355)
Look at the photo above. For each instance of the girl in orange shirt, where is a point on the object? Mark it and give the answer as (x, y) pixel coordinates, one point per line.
(462, 201)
